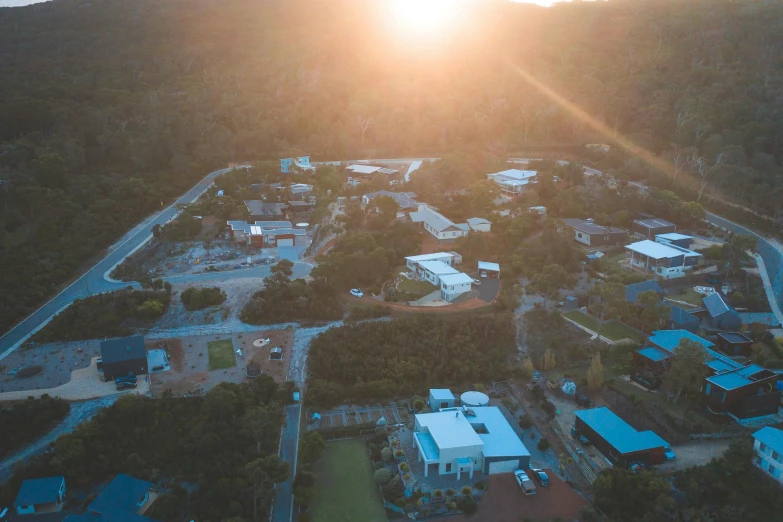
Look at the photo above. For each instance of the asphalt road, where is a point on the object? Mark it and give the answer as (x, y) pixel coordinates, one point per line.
(93, 279)
(289, 441)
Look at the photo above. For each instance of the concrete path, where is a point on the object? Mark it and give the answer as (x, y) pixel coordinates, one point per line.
(289, 445)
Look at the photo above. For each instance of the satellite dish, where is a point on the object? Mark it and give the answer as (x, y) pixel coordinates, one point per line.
(303, 225)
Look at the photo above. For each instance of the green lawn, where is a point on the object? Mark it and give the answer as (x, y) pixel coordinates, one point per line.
(221, 354)
(344, 488)
(612, 330)
(419, 288)
(690, 296)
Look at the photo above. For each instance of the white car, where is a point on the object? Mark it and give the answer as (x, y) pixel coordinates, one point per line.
(356, 292)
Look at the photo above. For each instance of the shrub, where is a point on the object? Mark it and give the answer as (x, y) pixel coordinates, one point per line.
(451, 492)
(383, 476)
(525, 422)
(407, 476)
(452, 506)
(466, 490)
(481, 485)
(405, 467)
(199, 298)
(399, 453)
(377, 465)
(150, 309)
(543, 444)
(438, 493)
(28, 371)
(393, 489)
(386, 454)
(467, 505)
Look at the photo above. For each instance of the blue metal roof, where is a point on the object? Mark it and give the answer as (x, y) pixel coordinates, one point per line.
(729, 381)
(770, 436)
(633, 291)
(39, 491)
(619, 433)
(719, 365)
(654, 354)
(716, 304)
(670, 339)
(122, 494)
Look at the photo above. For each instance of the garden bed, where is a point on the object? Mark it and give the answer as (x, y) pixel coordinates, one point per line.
(221, 354)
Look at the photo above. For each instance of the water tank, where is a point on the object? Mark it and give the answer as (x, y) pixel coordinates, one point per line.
(474, 399)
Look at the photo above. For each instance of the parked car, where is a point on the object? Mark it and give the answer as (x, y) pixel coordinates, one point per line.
(126, 378)
(356, 292)
(476, 281)
(125, 385)
(669, 453)
(541, 477)
(524, 482)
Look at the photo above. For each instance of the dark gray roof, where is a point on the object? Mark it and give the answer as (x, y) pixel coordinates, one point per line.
(681, 316)
(39, 491)
(735, 337)
(122, 494)
(654, 223)
(633, 291)
(123, 349)
(591, 228)
(404, 199)
(716, 304)
(257, 207)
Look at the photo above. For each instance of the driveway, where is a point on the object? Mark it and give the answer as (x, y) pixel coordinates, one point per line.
(695, 453)
(85, 383)
(289, 440)
(505, 502)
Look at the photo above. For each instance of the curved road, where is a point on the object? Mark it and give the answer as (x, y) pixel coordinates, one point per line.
(93, 279)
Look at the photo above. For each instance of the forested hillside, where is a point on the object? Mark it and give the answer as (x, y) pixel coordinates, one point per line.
(110, 108)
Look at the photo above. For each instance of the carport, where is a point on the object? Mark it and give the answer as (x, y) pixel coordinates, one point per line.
(487, 269)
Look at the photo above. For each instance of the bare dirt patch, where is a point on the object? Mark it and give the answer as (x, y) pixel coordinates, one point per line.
(190, 361)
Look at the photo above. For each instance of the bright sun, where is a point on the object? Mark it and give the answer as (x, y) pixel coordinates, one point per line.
(423, 17)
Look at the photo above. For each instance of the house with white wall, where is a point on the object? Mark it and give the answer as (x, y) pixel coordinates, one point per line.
(479, 224)
(441, 398)
(41, 495)
(667, 261)
(414, 262)
(454, 285)
(513, 181)
(466, 440)
(768, 445)
(441, 227)
(439, 270)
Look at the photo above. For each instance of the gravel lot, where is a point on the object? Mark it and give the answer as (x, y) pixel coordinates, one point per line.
(57, 361)
(696, 453)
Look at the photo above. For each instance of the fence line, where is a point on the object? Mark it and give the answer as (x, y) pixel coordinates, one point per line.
(724, 435)
(583, 462)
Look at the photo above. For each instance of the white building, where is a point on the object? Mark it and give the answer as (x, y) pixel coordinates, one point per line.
(454, 285)
(439, 225)
(513, 181)
(433, 271)
(368, 170)
(412, 262)
(667, 261)
(441, 398)
(487, 269)
(464, 440)
(479, 224)
(768, 445)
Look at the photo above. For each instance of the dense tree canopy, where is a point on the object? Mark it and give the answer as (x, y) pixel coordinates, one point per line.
(25, 421)
(380, 360)
(110, 109)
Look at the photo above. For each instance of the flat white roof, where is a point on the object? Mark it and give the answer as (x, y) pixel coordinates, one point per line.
(452, 429)
(456, 279)
(363, 169)
(673, 236)
(441, 394)
(655, 250)
(485, 265)
(439, 268)
(429, 257)
(515, 174)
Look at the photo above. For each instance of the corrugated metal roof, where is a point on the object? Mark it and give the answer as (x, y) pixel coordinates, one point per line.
(681, 316)
(619, 433)
(438, 268)
(437, 221)
(430, 257)
(654, 354)
(633, 291)
(123, 494)
(591, 228)
(441, 394)
(673, 236)
(123, 349)
(654, 223)
(513, 174)
(655, 250)
(770, 436)
(456, 279)
(478, 221)
(39, 491)
(716, 304)
(486, 265)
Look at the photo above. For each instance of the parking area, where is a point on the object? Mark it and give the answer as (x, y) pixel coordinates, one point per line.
(505, 502)
(695, 453)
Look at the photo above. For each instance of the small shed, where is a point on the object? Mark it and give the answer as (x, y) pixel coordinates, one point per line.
(720, 314)
(487, 269)
(571, 302)
(735, 343)
(674, 238)
(276, 354)
(441, 398)
(123, 356)
(41, 495)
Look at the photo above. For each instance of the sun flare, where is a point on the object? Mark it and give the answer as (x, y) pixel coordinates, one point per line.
(423, 17)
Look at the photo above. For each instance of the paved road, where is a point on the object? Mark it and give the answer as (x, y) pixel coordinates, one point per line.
(93, 279)
(289, 442)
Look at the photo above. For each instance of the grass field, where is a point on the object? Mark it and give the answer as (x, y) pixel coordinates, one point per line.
(221, 354)
(344, 489)
(419, 288)
(612, 330)
(690, 296)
